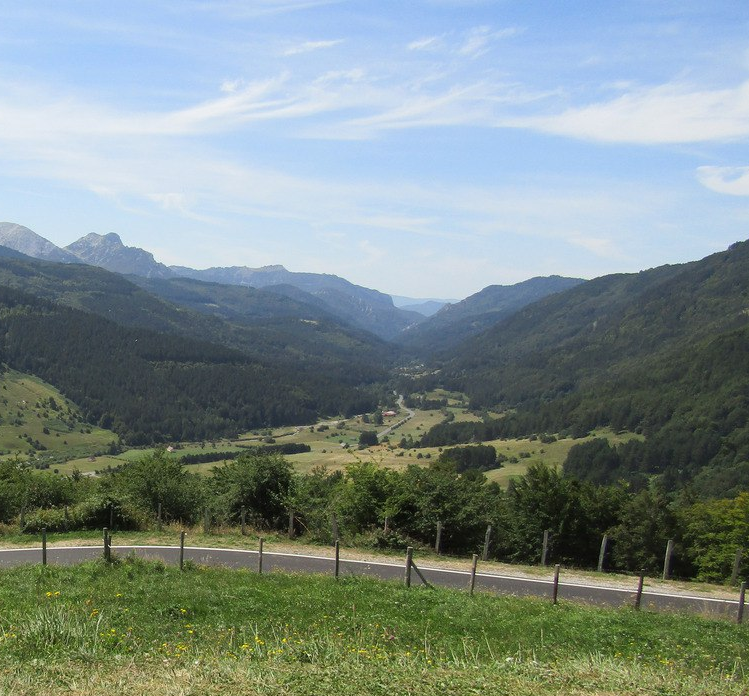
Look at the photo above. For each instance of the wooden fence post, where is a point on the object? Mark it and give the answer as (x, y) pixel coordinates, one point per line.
(602, 554)
(545, 549)
(409, 562)
(555, 591)
(291, 524)
(334, 527)
(667, 560)
(337, 558)
(206, 522)
(44, 546)
(438, 541)
(111, 516)
(22, 519)
(260, 556)
(158, 518)
(638, 596)
(487, 539)
(474, 563)
(107, 556)
(742, 597)
(737, 565)
(243, 520)
(385, 531)
(65, 524)
(182, 550)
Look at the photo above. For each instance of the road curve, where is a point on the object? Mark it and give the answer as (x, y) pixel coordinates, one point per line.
(390, 429)
(301, 563)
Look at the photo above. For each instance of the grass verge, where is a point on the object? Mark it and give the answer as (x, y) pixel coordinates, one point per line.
(146, 628)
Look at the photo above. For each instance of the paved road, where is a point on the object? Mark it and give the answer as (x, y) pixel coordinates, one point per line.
(486, 582)
(390, 429)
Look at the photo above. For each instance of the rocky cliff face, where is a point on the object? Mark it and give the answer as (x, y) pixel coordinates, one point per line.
(108, 251)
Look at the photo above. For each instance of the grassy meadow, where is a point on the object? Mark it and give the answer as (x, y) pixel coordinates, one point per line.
(39, 423)
(142, 627)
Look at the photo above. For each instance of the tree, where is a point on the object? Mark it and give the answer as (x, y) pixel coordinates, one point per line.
(360, 499)
(261, 482)
(368, 438)
(159, 478)
(714, 530)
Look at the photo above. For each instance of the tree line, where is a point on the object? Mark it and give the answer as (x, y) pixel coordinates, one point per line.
(376, 507)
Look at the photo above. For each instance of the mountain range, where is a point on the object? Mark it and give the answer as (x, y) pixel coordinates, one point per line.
(354, 305)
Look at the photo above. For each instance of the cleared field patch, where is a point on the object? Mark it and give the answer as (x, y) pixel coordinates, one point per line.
(39, 423)
(522, 453)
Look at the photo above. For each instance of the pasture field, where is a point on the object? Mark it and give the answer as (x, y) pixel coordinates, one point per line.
(141, 627)
(38, 422)
(334, 445)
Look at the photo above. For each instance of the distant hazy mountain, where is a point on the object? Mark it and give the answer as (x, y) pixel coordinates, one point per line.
(30, 243)
(426, 307)
(455, 322)
(108, 251)
(362, 307)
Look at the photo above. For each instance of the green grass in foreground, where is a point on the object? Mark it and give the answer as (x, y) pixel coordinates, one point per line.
(139, 627)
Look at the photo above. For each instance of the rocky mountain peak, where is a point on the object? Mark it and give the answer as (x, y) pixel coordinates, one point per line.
(108, 251)
(26, 241)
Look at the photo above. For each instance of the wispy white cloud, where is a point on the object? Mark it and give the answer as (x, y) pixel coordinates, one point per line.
(731, 180)
(478, 39)
(665, 114)
(309, 46)
(599, 246)
(428, 43)
(246, 9)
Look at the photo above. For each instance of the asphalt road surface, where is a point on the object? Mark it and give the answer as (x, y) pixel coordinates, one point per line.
(299, 563)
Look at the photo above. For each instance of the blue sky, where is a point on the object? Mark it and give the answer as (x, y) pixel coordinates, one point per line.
(425, 148)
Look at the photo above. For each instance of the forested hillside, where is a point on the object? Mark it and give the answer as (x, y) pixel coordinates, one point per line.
(150, 386)
(452, 324)
(665, 352)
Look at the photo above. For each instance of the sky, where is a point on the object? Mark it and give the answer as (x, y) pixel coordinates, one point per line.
(425, 148)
